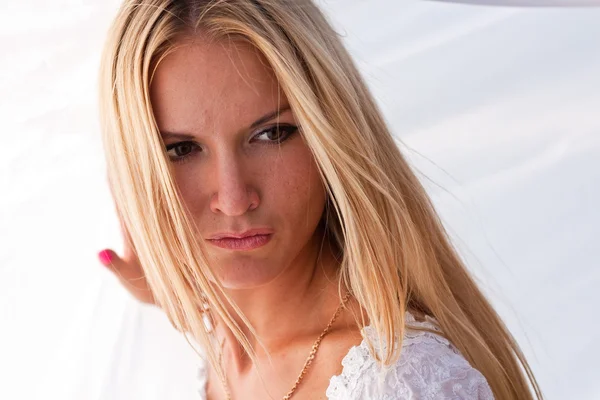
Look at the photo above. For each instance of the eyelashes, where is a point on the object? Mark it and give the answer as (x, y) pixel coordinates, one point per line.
(180, 155)
(283, 132)
(274, 135)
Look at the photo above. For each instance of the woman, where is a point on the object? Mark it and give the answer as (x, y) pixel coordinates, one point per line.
(268, 211)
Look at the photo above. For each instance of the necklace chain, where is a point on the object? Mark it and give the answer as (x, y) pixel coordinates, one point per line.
(308, 361)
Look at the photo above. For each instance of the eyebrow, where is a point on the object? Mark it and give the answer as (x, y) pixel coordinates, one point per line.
(258, 122)
(269, 116)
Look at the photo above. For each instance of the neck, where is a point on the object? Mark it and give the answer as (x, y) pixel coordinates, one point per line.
(295, 307)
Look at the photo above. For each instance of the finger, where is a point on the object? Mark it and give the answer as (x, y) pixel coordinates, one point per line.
(126, 271)
(130, 274)
(128, 252)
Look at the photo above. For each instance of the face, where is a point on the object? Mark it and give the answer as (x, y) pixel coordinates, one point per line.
(244, 171)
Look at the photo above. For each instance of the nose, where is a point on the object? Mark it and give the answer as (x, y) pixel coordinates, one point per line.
(234, 195)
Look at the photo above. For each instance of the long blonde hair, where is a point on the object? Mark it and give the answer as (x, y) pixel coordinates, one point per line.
(396, 253)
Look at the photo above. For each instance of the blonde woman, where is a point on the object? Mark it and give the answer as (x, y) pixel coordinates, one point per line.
(268, 211)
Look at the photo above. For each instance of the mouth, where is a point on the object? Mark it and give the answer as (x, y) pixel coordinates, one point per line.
(246, 242)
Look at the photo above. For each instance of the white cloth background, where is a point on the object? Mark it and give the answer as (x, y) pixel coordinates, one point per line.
(498, 108)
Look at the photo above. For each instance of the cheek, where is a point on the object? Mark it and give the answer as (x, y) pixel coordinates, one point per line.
(294, 186)
(188, 181)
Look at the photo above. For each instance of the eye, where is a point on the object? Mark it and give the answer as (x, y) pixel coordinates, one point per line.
(180, 151)
(275, 134)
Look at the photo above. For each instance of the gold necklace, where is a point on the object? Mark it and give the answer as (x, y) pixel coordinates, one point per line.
(308, 361)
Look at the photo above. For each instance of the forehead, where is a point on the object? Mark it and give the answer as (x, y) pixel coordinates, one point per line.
(203, 82)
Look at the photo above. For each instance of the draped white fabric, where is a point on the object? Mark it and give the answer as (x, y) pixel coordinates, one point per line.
(497, 108)
(530, 3)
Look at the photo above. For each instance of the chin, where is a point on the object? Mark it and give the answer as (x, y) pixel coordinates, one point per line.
(246, 274)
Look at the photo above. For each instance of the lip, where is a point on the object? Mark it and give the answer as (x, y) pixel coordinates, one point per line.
(241, 235)
(247, 240)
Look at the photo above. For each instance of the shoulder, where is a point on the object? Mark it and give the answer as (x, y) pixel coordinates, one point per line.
(429, 367)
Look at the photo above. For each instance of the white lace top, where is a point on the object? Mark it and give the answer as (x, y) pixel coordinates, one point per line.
(430, 367)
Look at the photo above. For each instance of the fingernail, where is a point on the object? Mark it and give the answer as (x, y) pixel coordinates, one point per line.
(105, 257)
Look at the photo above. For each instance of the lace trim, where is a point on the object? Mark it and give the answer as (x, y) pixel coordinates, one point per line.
(427, 371)
(359, 359)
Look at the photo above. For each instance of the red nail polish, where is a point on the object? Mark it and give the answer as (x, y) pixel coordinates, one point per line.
(105, 257)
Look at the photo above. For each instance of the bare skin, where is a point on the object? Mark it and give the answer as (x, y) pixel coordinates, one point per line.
(239, 173)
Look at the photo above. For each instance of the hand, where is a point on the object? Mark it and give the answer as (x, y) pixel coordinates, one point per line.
(128, 268)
